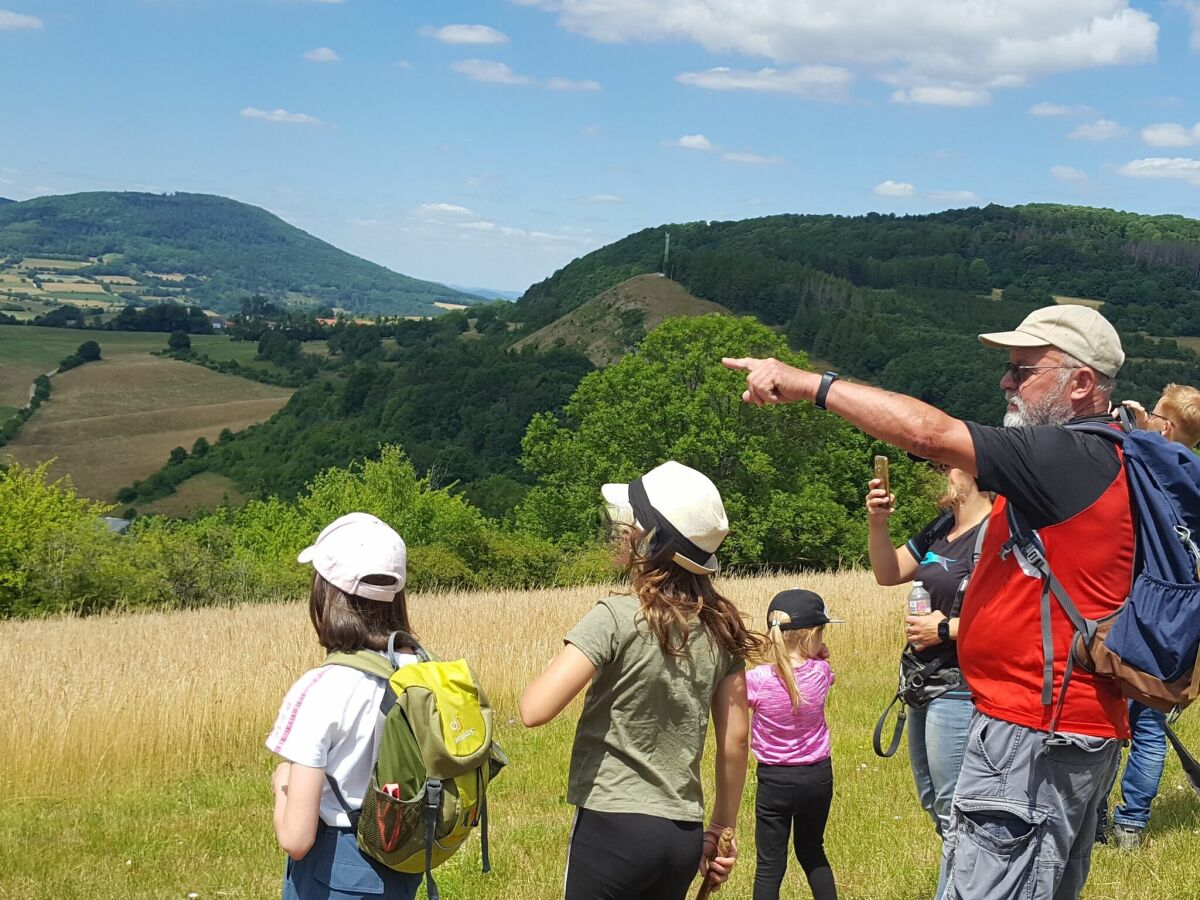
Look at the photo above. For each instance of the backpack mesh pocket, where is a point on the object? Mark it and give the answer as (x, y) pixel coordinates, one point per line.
(389, 828)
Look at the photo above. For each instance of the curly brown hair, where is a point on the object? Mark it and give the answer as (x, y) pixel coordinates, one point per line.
(671, 595)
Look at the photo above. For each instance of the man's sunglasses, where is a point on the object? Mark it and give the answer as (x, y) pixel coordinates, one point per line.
(1018, 373)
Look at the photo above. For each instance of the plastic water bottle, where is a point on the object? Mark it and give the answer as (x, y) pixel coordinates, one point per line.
(919, 603)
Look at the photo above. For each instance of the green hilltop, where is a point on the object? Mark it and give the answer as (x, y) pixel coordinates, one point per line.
(227, 250)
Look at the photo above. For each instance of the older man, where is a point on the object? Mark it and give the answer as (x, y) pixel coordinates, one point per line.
(1036, 766)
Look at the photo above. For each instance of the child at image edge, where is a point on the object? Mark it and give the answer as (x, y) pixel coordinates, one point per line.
(790, 740)
(328, 727)
(657, 664)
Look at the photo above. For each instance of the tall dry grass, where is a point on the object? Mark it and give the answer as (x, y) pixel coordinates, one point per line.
(133, 764)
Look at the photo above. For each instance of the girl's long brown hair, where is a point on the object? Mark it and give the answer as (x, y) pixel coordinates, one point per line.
(671, 595)
(347, 622)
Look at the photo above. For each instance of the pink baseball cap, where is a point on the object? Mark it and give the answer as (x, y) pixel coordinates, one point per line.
(357, 547)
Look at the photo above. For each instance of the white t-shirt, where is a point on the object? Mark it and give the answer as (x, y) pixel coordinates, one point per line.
(330, 719)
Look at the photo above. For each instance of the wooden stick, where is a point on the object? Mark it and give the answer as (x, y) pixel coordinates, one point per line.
(724, 843)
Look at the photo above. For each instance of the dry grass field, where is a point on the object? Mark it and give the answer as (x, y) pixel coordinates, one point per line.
(116, 420)
(134, 765)
(208, 490)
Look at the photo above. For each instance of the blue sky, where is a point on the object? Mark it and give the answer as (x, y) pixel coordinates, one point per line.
(489, 143)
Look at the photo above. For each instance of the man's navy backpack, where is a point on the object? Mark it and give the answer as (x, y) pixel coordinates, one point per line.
(1149, 645)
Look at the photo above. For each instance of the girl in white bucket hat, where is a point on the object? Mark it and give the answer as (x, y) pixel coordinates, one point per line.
(657, 664)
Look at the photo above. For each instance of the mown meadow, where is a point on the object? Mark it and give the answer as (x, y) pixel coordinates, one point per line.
(134, 764)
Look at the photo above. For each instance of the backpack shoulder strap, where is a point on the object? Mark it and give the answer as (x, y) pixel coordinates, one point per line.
(365, 661)
(976, 553)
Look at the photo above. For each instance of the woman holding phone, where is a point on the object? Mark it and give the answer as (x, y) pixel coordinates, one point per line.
(942, 557)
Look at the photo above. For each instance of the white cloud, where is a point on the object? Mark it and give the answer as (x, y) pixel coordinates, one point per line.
(694, 142)
(11, 21)
(1068, 173)
(942, 96)
(895, 189)
(403, 64)
(322, 55)
(591, 130)
(604, 198)
(1171, 134)
(1193, 11)
(819, 82)
(1177, 168)
(566, 84)
(489, 71)
(281, 116)
(1100, 130)
(751, 159)
(465, 34)
(444, 211)
(1049, 109)
(972, 45)
(953, 196)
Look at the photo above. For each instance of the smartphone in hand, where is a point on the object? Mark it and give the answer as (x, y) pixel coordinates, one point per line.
(881, 473)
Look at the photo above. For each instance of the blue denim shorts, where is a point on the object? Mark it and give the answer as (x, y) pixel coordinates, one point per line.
(335, 869)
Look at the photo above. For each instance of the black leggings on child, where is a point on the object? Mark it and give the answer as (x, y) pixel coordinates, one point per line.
(631, 856)
(793, 801)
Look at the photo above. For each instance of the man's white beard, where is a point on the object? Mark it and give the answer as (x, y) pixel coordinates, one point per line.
(1051, 409)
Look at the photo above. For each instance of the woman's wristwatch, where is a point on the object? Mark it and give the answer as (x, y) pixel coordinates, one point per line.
(943, 631)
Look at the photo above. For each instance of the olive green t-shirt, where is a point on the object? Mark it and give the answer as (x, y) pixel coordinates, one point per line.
(645, 717)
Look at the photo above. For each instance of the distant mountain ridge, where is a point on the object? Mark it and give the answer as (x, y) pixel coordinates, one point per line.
(487, 293)
(228, 249)
(4, 200)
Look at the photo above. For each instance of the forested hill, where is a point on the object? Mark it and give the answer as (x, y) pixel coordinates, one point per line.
(228, 249)
(899, 300)
(4, 200)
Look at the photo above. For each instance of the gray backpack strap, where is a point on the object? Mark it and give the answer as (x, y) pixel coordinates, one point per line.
(976, 553)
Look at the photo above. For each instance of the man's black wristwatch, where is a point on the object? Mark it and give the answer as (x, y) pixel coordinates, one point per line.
(823, 390)
(944, 631)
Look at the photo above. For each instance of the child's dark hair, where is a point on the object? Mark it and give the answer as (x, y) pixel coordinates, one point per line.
(347, 623)
(670, 595)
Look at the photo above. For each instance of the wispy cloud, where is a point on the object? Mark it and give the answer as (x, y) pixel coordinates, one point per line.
(1068, 173)
(953, 196)
(694, 142)
(1100, 130)
(444, 211)
(489, 72)
(465, 34)
(604, 198)
(1178, 168)
(280, 116)
(591, 130)
(403, 64)
(751, 159)
(1171, 134)
(895, 189)
(567, 84)
(1049, 109)
(322, 55)
(942, 96)
(11, 21)
(818, 82)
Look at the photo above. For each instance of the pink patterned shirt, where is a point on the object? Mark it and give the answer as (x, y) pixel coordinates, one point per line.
(780, 735)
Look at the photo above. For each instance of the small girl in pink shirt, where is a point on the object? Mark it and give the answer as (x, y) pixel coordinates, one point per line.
(790, 740)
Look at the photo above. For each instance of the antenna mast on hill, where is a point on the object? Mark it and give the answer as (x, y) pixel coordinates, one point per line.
(666, 254)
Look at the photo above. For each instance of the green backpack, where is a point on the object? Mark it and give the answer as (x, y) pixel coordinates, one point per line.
(437, 747)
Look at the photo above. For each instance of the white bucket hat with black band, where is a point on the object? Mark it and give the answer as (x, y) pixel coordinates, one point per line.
(356, 552)
(680, 507)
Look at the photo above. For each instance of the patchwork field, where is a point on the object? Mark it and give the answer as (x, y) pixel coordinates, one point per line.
(135, 769)
(111, 422)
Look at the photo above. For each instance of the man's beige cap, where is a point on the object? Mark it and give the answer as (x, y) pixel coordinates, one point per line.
(1076, 330)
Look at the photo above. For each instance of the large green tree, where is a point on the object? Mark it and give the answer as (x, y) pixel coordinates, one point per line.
(792, 477)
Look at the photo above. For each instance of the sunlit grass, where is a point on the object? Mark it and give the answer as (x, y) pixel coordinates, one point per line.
(134, 766)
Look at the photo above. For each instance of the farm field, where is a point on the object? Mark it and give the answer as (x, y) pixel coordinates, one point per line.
(111, 422)
(208, 490)
(136, 769)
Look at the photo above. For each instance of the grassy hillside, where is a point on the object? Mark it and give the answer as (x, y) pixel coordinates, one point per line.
(606, 327)
(215, 250)
(173, 796)
(115, 421)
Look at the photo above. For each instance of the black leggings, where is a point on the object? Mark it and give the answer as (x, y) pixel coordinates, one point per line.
(793, 800)
(629, 856)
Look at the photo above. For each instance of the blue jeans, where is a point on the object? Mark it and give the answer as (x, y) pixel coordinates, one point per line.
(937, 735)
(335, 869)
(1144, 768)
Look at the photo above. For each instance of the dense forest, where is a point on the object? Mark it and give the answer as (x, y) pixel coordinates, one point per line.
(228, 249)
(899, 300)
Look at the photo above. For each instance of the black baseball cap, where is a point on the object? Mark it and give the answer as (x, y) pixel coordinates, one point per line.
(805, 609)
